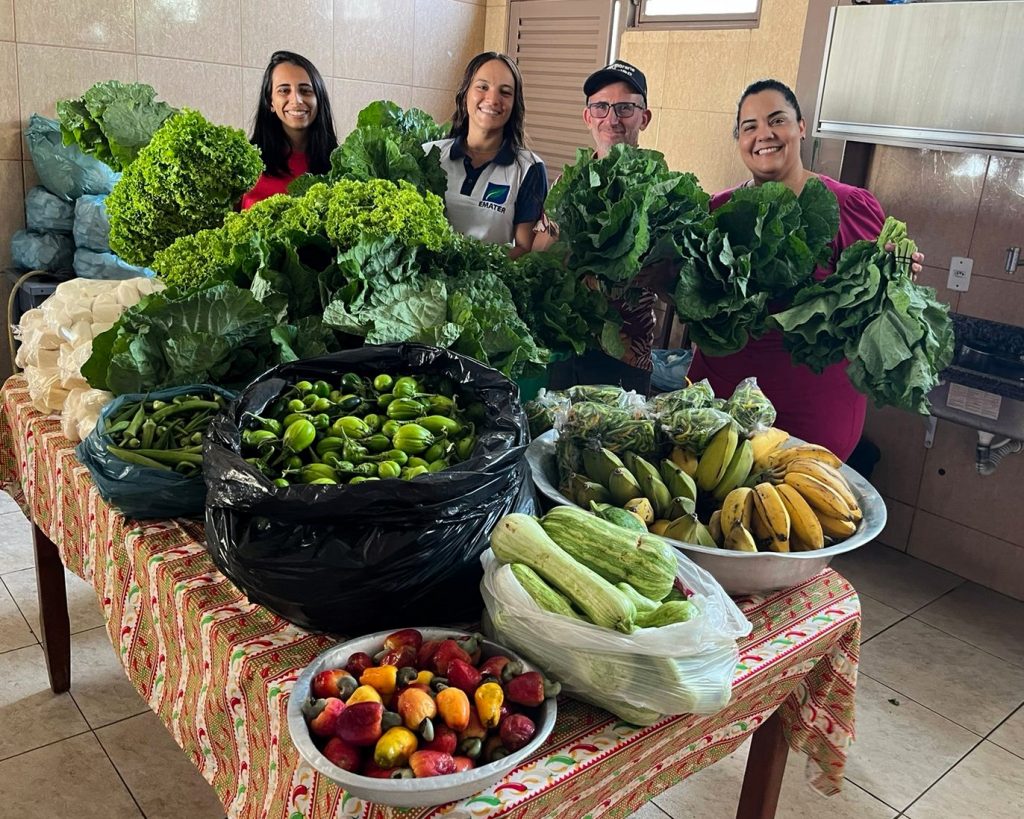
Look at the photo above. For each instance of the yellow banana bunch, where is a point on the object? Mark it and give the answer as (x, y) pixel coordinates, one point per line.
(683, 529)
(771, 518)
(685, 460)
(782, 457)
(829, 476)
(651, 484)
(740, 539)
(805, 533)
(823, 498)
(716, 458)
(737, 510)
(764, 443)
(641, 507)
(715, 526)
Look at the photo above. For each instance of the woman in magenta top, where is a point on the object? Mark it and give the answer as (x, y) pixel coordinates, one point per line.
(824, 409)
(294, 127)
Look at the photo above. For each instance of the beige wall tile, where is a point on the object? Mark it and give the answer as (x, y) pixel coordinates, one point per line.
(438, 103)
(497, 3)
(104, 24)
(652, 58)
(952, 488)
(496, 29)
(12, 206)
(399, 94)
(652, 133)
(448, 35)
(252, 82)
(706, 71)
(29, 175)
(6, 19)
(10, 114)
(48, 73)
(900, 437)
(375, 40)
(1000, 218)
(970, 553)
(209, 30)
(303, 26)
(700, 142)
(994, 299)
(938, 278)
(899, 516)
(348, 98)
(214, 90)
(775, 44)
(936, 193)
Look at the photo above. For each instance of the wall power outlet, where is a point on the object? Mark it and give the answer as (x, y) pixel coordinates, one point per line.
(960, 273)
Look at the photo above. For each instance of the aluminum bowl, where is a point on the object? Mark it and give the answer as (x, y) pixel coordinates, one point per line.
(406, 793)
(739, 572)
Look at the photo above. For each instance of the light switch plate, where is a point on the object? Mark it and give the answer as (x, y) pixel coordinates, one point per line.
(960, 273)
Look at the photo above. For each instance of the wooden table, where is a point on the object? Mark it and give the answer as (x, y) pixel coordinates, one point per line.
(218, 669)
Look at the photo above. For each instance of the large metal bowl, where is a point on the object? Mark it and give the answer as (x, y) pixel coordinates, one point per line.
(406, 793)
(738, 572)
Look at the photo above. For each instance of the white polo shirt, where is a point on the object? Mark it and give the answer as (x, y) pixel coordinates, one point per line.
(488, 202)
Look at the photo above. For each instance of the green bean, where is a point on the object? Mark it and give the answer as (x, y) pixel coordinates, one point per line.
(128, 456)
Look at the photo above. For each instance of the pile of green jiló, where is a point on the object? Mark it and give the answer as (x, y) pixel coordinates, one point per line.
(165, 435)
(757, 248)
(897, 337)
(361, 429)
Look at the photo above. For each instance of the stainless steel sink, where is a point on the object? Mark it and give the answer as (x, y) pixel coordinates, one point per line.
(990, 362)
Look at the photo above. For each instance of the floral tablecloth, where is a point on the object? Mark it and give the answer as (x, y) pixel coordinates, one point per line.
(218, 669)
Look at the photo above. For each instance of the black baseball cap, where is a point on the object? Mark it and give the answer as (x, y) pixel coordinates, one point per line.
(618, 71)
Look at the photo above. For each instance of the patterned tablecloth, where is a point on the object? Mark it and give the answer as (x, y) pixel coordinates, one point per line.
(218, 670)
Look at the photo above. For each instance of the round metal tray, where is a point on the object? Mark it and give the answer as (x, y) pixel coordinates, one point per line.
(406, 793)
(738, 572)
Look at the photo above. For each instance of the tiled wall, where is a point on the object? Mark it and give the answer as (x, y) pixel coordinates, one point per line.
(210, 55)
(940, 509)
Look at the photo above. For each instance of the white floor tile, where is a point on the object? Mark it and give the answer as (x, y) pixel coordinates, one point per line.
(901, 747)
(876, 617)
(30, 714)
(16, 550)
(650, 811)
(14, 630)
(986, 619)
(163, 780)
(894, 578)
(964, 684)
(1010, 735)
(99, 684)
(83, 606)
(988, 783)
(72, 777)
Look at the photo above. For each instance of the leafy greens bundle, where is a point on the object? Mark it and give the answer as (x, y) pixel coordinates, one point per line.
(895, 334)
(112, 121)
(188, 178)
(757, 247)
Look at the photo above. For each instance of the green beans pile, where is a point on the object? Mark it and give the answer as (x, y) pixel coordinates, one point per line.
(361, 429)
(164, 435)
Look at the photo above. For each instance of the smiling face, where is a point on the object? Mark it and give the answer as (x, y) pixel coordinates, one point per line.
(293, 100)
(490, 97)
(611, 130)
(769, 137)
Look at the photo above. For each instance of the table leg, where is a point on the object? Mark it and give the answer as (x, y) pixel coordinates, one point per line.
(53, 611)
(766, 763)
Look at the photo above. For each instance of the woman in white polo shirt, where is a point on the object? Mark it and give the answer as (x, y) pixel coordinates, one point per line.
(496, 188)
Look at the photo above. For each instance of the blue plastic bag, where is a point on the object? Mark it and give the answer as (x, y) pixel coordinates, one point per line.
(92, 227)
(63, 169)
(46, 213)
(92, 265)
(143, 492)
(670, 368)
(31, 250)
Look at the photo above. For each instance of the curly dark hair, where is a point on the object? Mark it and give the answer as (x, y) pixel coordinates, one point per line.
(268, 134)
(514, 127)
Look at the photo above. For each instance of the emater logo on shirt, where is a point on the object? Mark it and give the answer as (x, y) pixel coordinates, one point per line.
(495, 196)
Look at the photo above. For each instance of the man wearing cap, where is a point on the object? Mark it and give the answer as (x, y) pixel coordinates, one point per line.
(616, 112)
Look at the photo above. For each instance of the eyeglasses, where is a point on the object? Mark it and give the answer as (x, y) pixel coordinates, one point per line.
(623, 110)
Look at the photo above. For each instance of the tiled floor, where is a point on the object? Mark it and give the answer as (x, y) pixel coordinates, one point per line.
(940, 722)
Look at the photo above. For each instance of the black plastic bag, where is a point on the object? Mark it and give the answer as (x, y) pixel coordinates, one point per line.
(381, 554)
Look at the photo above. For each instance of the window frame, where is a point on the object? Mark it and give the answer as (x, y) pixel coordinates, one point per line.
(641, 20)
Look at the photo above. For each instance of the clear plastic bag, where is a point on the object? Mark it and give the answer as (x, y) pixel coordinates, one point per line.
(750, 408)
(694, 428)
(677, 669)
(695, 396)
(546, 410)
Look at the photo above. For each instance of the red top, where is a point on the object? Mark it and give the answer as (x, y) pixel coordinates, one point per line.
(823, 409)
(267, 185)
